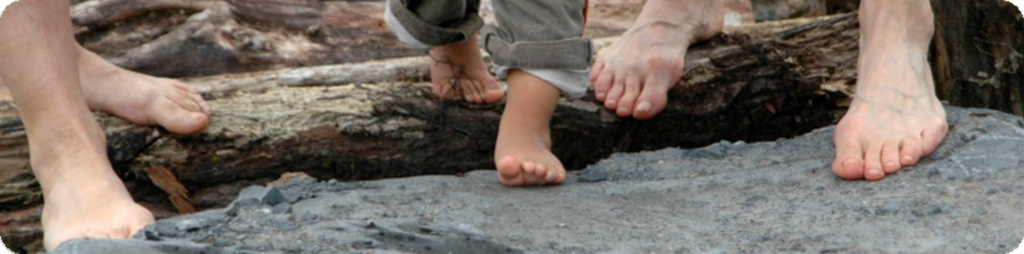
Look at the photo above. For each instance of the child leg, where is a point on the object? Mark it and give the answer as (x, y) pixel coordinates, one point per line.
(523, 150)
(539, 46)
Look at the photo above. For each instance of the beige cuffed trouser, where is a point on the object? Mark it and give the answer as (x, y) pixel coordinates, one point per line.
(540, 37)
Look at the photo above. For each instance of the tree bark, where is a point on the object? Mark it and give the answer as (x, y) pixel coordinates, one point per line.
(977, 54)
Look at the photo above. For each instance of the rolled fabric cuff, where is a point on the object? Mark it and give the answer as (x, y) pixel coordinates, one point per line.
(413, 30)
(399, 30)
(572, 83)
(569, 54)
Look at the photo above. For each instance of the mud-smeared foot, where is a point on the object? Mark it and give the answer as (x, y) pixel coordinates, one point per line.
(459, 73)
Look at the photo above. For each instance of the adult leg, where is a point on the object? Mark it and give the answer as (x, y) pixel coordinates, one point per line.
(633, 75)
(84, 198)
(895, 118)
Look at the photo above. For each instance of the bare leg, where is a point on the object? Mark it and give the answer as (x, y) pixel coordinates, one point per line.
(142, 99)
(84, 198)
(634, 74)
(459, 72)
(895, 118)
(523, 150)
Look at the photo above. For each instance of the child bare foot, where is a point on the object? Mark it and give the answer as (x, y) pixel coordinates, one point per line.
(633, 75)
(459, 73)
(895, 118)
(523, 150)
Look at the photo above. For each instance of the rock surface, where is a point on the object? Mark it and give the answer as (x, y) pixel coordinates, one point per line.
(776, 196)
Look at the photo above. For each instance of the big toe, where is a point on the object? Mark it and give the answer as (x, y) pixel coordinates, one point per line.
(849, 162)
(509, 171)
(493, 94)
(653, 98)
(178, 119)
(650, 106)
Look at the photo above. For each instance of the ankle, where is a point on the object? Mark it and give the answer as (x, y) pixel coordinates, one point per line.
(76, 155)
(697, 19)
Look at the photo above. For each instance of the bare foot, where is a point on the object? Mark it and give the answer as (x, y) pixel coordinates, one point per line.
(523, 150)
(83, 196)
(459, 73)
(895, 118)
(634, 74)
(140, 98)
(94, 205)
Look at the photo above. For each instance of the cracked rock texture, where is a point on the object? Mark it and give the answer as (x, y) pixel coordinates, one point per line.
(776, 196)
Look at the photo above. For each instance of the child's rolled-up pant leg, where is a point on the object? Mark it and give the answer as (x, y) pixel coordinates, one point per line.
(429, 23)
(543, 38)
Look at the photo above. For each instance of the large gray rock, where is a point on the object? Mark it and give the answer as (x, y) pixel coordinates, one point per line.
(730, 197)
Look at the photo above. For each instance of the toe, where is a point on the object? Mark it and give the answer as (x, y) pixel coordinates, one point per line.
(440, 89)
(931, 138)
(615, 93)
(541, 172)
(186, 101)
(653, 97)
(474, 91)
(508, 171)
(603, 86)
(890, 157)
(555, 175)
(848, 163)
(493, 92)
(873, 163)
(529, 167)
(601, 80)
(628, 99)
(910, 151)
(175, 119)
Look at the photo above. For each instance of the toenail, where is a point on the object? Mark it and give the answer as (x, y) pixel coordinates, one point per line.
(908, 159)
(891, 164)
(644, 106)
(623, 110)
(850, 162)
(599, 95)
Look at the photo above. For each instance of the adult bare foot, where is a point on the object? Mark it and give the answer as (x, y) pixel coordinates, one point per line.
(895, 118)
(140, 98)
(633, 75)
(459, 72)
(523, 151)
(89, 201)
